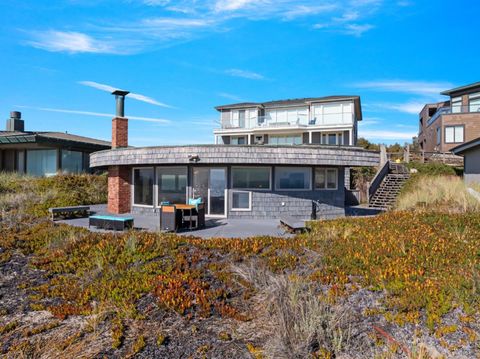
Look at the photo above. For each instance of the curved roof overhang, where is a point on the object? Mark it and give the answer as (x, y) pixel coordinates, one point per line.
(233, 154)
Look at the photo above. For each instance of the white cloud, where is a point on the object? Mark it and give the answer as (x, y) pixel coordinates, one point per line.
(407, 107)
(232, 5)
(71, 42)
(184, 20)
(132, 95)
(230, 96)
(96, 114)
(357, 29)
(405, 86)
(386, 135)
(245, 74)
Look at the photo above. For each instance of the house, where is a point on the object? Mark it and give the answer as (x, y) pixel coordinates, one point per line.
(471, 154)
(44, 153)
(328, 120)
(445, 125)
(235, 181)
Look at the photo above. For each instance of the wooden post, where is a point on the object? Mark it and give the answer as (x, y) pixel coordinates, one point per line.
(406, 153)
(383, 155)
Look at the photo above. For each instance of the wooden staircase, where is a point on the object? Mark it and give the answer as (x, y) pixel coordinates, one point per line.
(386, 195)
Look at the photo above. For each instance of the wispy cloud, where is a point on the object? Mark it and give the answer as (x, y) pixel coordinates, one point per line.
(412, 107)
(135, 96)
(230, 96)
(95, 114)
(405, 86)
(357, 29)
(245, 74)
(387, 135)
(71, 42)
(184, 20)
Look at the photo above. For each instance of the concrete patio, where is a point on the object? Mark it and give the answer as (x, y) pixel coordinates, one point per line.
(226, 228)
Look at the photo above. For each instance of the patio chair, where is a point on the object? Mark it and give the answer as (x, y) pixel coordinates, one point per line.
(170, 218)
(197, 215)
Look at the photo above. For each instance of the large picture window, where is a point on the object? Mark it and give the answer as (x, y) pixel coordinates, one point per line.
(42, 162)
(454, 134)
(251, 178)
(332, 138)
(326, 178)
(172, 184)
(143, 186)
(72, 161)
(293, 178)
(285, 139)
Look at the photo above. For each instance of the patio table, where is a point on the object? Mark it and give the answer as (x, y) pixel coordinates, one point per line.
(110, 222)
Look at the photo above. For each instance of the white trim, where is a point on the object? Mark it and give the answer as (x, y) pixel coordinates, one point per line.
(251, 189)
(132, 194)
(249, 209)
(325, 169)
(294, 189)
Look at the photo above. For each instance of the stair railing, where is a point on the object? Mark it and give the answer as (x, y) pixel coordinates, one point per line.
(374, 185)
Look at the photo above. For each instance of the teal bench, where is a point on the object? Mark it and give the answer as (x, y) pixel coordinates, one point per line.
(110, 222)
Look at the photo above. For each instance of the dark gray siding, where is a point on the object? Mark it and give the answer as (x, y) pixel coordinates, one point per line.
(226, 140)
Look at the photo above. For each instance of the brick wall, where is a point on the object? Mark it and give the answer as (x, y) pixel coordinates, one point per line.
(119, 132)
(119, 192)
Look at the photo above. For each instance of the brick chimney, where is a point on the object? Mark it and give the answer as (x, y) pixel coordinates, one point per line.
(119, 177)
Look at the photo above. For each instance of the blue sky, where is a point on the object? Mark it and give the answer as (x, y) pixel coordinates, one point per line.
(181, 58)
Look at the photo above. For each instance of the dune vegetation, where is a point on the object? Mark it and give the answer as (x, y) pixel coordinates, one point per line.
(402, 284)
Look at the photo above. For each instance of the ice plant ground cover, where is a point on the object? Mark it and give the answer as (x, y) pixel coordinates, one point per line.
(424, 267)
(403, 284)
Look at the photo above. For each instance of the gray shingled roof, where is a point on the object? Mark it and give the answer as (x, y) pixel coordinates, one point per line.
(31, 136)
(461, 89)
(464, 147)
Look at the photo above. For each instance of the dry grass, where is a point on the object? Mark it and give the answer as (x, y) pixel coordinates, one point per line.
(304, 322)
(444, 193)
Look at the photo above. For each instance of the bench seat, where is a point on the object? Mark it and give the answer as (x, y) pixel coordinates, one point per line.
(110, 222)
(85, 210)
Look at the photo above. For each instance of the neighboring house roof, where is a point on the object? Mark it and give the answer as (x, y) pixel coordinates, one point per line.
(464, 147)
(16, 137)
(293, 102)
(461, 89)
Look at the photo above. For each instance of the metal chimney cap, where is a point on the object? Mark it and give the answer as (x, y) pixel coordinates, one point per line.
(120, 93)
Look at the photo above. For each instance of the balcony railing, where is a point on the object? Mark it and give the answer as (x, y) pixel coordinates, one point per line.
(297, 122)
(453, 110)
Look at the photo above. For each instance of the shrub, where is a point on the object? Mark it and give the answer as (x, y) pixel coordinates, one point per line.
(433, 169)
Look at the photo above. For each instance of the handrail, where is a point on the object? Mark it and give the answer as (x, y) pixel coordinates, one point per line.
(378, 179)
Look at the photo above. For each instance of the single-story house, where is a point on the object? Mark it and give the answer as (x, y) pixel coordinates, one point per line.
(44, 153)
(471, 154)
(234, 181)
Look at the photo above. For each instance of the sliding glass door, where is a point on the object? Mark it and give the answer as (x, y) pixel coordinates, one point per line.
(210, 184)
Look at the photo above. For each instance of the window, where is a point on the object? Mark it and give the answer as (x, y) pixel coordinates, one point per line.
(238, 140)
(21, 161)
(439, 135)
(456, 105)
(251, 178)
(143, 186)
(259, 140)
(241, 201)
(474, 102)
(172, 184)
(454, 134)
(292, 178)
(332, 138)
(285, 139)
(42, 162)
(72, 161)
(326, 178)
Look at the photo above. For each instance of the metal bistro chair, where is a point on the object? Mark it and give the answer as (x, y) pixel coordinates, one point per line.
(170, 218)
